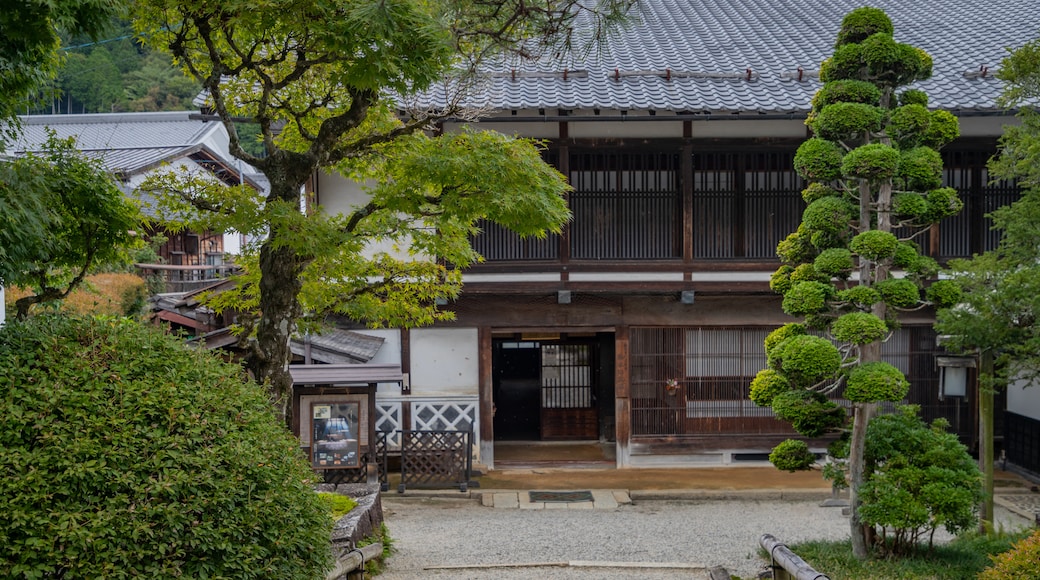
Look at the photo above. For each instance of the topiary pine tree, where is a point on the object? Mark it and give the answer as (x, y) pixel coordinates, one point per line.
(873, 170)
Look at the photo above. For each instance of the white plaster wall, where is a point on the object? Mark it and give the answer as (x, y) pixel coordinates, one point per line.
(985, 126)
(444, 361)
(739, 129)
(1023, 398)
(629, 129)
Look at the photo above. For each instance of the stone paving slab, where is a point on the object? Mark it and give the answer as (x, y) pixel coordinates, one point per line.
(606, 499)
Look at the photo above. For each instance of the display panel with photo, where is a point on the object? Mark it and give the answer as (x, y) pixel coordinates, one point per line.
(334, 441)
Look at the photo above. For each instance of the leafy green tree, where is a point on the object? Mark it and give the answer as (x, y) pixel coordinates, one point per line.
(29, 40)
(325, 82)
(127, 454)
(997, 316)
(922, 478)
(62, 215)
(874, 169)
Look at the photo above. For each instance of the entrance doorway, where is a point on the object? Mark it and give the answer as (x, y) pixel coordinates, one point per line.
(553, 389)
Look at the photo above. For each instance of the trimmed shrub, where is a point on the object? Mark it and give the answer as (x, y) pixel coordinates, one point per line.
(899, 292)
(1021, 561)
(818, 160)
(859, 328)
(844, 64)
(874, 245)
(923, 268)
(907, 124)
(863, 23)
(780, 281)
(778, 336)
(806, 360)
(767, 384)
(942, 203)
(797, 247)
(861, 296)
(817, 190)
(920, 169)
(126, 454)
(807, 273)
(792, 455)
(944, 293)
(943, 128)
(918, 478)
(809, 412)
(906, 254)
(874, 162)
(835, 263)
(829, 214)
(807, 298)
(893, 63)
(876, 381)
(913, 97)
(842, 121)
(846, 91)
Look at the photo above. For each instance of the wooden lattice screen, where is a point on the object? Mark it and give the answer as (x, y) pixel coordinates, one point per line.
(435, 459)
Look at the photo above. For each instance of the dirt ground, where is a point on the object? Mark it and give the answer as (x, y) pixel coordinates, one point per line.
(578, 466)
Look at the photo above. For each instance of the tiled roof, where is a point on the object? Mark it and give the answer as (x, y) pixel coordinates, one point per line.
(707, 56)
(126, 142)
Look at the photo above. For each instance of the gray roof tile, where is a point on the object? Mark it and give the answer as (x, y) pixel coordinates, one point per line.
(705, 43)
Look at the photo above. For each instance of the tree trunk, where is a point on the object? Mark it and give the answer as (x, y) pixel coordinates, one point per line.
(986, 440)
(864, 412)
(280, 269)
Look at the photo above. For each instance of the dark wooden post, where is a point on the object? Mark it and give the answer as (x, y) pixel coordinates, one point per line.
(486, 398)
(622, 394)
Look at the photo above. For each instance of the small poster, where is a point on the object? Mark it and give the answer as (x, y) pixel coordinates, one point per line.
(334, 442)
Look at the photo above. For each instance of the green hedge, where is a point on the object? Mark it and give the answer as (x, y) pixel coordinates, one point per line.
(124, 454)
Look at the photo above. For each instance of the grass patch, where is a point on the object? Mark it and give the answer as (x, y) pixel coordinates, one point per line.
(340, 505)
(961, 559)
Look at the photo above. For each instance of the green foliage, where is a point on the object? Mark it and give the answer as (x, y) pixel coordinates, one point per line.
(67, 214)
(779, 335)
(859, 328)
(29, 45)
(862, 23)
(797, 247)
(818, 160)
(874, 245)
(817, 190)
(894, 64)
(835, 262)
(339, 504)
(910, 206)
(944, 293)
(860, 296)
(809, 412)
(876, 381)
(127, 454)
(808, 273)
(899, 292)
(792, 455)
(807, 298)
(828, 214)
(806, 360)
(963, 558)
(921, 478)
(907, 124)
(873, 162)
(846, 91)
(922, 268)
(913, 97)
(780, 280)
(906, 254)
(1018, 562)
(943, 127)
(920, 169)
(843, 121)
(766, 385)
(942, 203)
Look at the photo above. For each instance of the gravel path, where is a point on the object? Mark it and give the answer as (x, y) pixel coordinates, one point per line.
(460, 539)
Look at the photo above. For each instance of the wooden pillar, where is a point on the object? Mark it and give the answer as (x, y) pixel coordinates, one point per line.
(406, 361)
(622, 397)
(686, 169)
(486, 404)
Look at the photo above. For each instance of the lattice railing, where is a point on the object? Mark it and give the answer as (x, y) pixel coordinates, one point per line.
(444, 415)
(435, 459)
(388, 420)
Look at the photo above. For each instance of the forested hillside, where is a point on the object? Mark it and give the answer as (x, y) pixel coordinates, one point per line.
(114, 74)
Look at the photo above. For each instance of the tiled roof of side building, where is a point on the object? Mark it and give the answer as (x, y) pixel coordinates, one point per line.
(747, 56)
(127, 142)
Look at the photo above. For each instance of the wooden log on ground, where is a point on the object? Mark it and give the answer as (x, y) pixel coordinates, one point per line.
(353, 560)
(782, 557)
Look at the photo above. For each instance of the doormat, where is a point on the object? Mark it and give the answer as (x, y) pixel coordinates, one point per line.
(560, 496)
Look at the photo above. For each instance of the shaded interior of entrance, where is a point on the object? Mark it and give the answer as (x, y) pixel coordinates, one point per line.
(553, 387)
